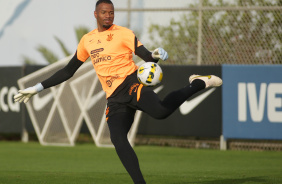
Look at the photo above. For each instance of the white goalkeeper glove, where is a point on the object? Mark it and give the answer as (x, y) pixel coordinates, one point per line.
(160, 53)
(26, 94)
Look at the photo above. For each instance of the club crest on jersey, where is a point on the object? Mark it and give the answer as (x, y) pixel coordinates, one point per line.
(110, 37)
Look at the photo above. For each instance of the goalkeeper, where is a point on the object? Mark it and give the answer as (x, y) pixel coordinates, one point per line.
(110, 48)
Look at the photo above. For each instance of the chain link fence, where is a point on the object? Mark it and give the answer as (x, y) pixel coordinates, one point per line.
(210, 32)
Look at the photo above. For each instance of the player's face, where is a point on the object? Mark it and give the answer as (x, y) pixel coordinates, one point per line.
(104, 14)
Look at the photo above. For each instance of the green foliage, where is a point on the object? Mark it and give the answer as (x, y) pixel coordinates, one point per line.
(49, 55)
(228, 36)
(179, 39)
(63, 48)
(29, 61)
(80, 31)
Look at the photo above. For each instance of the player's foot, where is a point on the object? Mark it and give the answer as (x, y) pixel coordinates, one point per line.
(210, 80)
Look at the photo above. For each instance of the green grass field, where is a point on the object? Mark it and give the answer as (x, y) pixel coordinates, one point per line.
(86, 164)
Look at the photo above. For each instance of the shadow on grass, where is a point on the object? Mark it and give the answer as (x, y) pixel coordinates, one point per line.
(232, 181)
(236, 181)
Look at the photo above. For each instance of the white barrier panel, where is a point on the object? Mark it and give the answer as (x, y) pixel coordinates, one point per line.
(58, 113)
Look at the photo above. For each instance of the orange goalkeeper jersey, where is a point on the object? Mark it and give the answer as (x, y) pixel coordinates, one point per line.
(111, 55)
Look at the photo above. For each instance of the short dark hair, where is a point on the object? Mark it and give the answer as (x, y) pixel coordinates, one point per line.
(104, 1)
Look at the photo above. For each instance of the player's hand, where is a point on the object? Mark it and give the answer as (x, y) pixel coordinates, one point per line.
(26, 94)
(160, 53)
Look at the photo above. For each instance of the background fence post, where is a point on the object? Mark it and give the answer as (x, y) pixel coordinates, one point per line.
(199, 44)
(128, 13)
(223, 143)
(24, 132)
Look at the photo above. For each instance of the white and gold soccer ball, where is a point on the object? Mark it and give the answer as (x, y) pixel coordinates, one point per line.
(150, 74)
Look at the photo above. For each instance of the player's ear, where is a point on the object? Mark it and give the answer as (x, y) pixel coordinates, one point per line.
(95, 14)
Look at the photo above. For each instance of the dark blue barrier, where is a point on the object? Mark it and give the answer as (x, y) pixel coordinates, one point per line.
(252, 101)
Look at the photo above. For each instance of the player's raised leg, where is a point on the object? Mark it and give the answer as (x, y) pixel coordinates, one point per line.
(151, 104)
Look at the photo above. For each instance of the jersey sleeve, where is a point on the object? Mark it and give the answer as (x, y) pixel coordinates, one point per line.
(82, 53)
(63, 74)
(130, 40)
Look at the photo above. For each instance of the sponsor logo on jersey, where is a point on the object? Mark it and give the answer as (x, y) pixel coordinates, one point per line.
(96, 58)
(112, 79)
(97, 50)
(100, 59)
(110, 37)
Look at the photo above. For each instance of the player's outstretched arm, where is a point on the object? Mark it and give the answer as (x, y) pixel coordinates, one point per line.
(59, 77)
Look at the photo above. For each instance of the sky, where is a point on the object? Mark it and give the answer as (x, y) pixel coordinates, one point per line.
(26, 24)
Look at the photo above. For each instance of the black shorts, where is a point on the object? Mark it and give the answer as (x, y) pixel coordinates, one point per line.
(126, 96)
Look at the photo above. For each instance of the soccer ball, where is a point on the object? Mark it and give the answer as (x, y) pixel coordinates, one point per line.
(150, 74)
